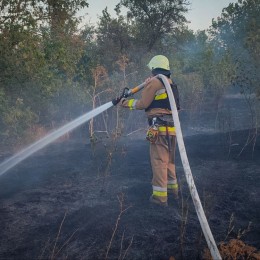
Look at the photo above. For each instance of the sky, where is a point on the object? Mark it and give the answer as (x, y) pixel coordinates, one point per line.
(200, 14)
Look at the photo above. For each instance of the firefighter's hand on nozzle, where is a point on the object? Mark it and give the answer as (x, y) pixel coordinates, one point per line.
(122, 98)
(122, 101)
(128, 103)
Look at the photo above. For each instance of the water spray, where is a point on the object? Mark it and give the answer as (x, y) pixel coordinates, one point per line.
(33, 148)
(25, 153)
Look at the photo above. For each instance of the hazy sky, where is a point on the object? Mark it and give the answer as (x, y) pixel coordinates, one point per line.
(200, 14)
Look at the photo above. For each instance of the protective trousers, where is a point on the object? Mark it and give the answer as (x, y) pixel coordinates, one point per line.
(163, 166)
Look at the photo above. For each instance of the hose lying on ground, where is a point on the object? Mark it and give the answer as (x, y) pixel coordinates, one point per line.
(185, 162)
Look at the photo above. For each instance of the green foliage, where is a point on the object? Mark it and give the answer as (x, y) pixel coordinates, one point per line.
(48, 65)
(18, 119)
(153, 19)
(39, 53)
(237, 31)
(113, 39)
(3, 108)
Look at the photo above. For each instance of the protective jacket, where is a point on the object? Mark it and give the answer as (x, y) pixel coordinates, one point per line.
(161, 99)
(154, 100)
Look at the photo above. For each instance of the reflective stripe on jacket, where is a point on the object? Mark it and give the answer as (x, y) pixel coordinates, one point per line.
(161, 99)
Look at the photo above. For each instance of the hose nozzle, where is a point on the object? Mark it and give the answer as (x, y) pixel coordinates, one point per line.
(128, 92)
(125, 94)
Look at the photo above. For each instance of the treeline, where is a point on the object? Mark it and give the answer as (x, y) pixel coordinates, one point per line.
(53, 69)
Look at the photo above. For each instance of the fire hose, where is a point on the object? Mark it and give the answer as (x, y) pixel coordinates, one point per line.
(185, 162)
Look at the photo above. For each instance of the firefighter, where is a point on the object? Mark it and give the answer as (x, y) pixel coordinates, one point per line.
(161, 133)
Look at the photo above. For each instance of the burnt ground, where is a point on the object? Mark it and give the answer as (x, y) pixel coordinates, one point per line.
(64, 202)
(74, 201)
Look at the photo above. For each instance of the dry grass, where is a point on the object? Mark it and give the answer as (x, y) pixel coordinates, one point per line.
(52, 247)
(235, 249)
(122, 210)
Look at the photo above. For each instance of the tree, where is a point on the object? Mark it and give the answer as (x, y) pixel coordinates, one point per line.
(237, 30)
(114, 39)
(39, 52)
(153, 19)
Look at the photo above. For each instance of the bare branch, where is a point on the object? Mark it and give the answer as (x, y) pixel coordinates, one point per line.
(56, 240)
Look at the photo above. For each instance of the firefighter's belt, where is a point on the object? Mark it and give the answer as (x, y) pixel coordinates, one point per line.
(160, 122)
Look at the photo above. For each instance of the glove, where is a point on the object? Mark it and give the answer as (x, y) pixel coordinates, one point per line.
(128, 103)
(122, 101)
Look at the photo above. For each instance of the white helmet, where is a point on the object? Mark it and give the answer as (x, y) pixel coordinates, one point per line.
(159, 61)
